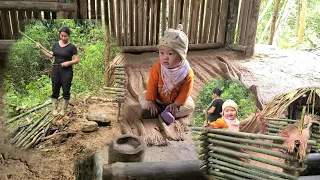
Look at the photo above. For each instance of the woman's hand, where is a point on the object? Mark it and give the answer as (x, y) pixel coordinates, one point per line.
(66, 64)
(173, 108)
(152, 107)
(38, 45)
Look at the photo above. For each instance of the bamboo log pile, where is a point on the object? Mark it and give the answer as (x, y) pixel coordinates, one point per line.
(27, 136)
(227, 154)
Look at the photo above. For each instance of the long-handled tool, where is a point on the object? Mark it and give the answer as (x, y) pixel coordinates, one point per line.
(36, 42)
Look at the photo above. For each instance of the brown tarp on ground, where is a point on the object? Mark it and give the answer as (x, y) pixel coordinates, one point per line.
(153, 131)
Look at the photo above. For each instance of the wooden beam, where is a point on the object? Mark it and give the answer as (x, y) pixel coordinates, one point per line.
(232, 20)
(253, 29)
(38, 6)
(5, 45)
(142, 49)
(187, 169)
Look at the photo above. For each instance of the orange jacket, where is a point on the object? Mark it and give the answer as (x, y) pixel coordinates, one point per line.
(219, 123)
(179, 94)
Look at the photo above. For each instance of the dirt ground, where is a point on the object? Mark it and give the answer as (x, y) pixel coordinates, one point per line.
(273, 71)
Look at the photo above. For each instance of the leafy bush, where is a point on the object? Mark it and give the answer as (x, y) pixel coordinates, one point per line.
(231, 90)
(28, 77)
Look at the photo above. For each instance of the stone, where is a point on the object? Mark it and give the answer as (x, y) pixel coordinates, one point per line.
(89, 126)
(101, 119)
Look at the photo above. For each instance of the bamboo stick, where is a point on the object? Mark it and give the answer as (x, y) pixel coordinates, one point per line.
(28, 112)
(273, 130)
(125, 22)
(145, 22)
(251, 166)
(273, 126)
(315, 136)
(243, 134)
(241, 140)
(202, 7)
(136, 24)
(31, 134)
(119, 73)
(225, 175)
(302, 119)
(248, 156)
(214, 21)
(236, 172)
(29, 128)
(313, 101)
(278, 119)
(250, 148)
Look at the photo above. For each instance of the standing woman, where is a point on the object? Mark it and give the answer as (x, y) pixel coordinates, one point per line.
(215, 107)
(66, 55)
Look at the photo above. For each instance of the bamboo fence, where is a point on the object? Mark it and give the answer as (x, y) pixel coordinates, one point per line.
(227, 154)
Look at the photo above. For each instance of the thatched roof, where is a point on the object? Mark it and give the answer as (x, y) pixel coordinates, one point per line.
(302, 96)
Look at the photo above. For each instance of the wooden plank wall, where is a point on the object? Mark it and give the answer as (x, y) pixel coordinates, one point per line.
(142, 22)
(14, 12)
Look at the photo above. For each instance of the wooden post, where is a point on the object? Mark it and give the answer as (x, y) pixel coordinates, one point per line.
(170, 17)
(185, 16)
(145, 23)
(112, 19)
(164, 20)
(6, 24)
(232, 20)
(119, 27)
(107, 66)
(157, 22)
(253, 30)
(125, 22)
(206, 31)
(99, 13)
(247, 24)
(46, 15)
(92, 9)
(83, 7)
(152, 25)
(14, 23)
(130, 23)
(136, 19)
(201, 21)
(302, 20)
(223, 21)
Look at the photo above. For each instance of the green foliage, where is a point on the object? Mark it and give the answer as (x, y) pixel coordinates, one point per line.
(288, 39)
(231, 90)
(28, 78)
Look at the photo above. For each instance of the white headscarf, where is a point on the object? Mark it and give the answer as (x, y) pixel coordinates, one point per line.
(172, 77)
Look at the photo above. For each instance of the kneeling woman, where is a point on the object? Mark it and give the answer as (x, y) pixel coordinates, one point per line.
(62, 72)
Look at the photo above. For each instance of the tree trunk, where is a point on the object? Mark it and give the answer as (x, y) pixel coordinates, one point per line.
(273, 24)
(302, 20)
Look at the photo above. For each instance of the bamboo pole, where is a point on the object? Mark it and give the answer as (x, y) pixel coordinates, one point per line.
(225, 175)
(236, 172)
(125, 22)
(241, 140)
(206, 30)
(115, 89)
(313, 101)
(302, 20)
(221, 33)
(248, 156)
(278, 119)
(201, 21)
(274, 126)
(273, 130)
(251, 166)
(164, 10)
(170, 17)
(273, 24)
(28, 112)
(250, 148)
(214, 20)
(302, 119)
(244, 17)
(185, 16)
(248, 23)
